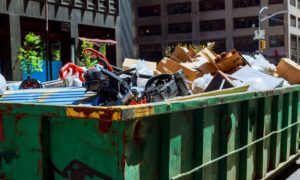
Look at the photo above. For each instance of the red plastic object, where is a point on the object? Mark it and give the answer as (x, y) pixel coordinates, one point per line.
(133, 102)
(92, 53)
(71, 68)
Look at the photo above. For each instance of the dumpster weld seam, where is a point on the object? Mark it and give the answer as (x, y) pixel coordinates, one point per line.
(232, 152)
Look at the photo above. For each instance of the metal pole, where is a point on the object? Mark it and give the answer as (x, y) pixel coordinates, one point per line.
(259, 26)
(47, 39)
(259, 47)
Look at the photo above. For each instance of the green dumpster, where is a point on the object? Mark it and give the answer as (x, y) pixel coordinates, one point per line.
(235, 136)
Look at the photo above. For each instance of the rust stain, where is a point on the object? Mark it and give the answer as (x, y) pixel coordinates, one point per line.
(8, 109)
(20, 116)
(40, 167)
(86, 112)
(123, 160)
(104, 126)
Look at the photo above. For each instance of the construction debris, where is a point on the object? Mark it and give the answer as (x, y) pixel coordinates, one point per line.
(289, 70)
(186, 74)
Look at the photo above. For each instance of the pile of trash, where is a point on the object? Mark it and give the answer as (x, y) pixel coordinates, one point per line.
(186, 72)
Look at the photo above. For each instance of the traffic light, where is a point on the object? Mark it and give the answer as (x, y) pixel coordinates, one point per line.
(263, 44)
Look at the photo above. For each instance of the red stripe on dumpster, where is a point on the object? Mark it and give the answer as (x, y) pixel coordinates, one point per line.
(1, 129)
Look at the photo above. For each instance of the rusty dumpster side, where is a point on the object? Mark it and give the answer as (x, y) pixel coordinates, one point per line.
(153, 141)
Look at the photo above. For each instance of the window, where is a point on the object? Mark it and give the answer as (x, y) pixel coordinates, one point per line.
(298, 23)
(298, 4)
(211, 5)
(151, 30)
(213, 25)
(277, 41)
(275, 1)
(114, 5)
(293, 21)
(103, 5)
(245, 22)
(152, 52)
(245, 44)
(245, 3)
(277, 20)
(220, 45)
(149, 11)
(176, 28)
(293, 2)
(179, 8)
(294, 47)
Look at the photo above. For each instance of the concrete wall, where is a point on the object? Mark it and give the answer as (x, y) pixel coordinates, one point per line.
(126, 32)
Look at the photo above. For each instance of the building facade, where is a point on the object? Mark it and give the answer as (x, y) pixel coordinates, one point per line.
(67, 21)
(231, 24)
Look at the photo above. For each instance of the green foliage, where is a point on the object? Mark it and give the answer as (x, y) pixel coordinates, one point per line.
(196, 47)
(85, 60)
(31, 54)
(102, 48)
(55, 55)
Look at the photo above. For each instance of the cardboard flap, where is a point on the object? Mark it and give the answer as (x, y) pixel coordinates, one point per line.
(289, 70)
(129, 63)
(180, 54)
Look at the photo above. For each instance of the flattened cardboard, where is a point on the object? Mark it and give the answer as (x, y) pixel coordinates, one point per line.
(192, 53)
(205, 66)
(247, 72)
(169, 66)
(289, 70)
(211, 56)
(180, 54)
(129, 63)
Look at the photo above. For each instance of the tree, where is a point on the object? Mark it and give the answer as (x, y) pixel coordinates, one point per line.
(31, 54)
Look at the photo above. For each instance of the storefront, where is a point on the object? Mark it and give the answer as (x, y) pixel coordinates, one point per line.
(59, 43)
(100, 33)
(5, 58)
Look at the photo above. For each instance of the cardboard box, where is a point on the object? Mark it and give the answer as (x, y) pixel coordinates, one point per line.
(205, 66)
(230, 61)
(169, 66)
(191, 70)
(192, 53)
(289, 70)
(211, 56)
(181, 54)
(220, 81)
(129, 63)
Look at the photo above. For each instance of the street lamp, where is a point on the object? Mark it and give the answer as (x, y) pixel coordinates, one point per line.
(259, 25)
(260, 20)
